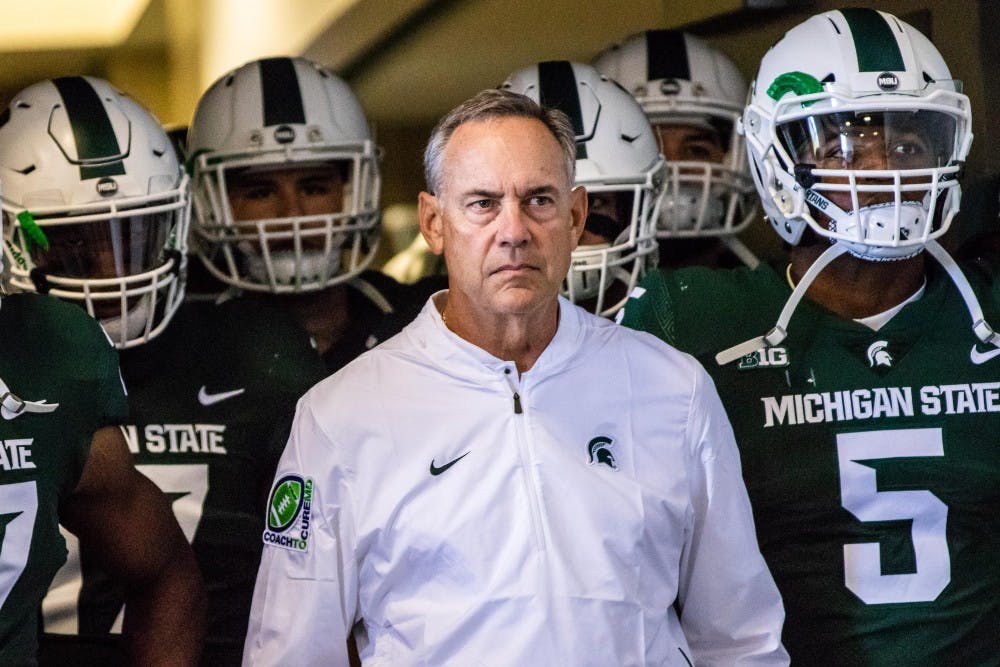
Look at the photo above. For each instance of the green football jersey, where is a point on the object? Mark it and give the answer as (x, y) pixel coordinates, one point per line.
(872, 460)
(52, 351)
(211, 403)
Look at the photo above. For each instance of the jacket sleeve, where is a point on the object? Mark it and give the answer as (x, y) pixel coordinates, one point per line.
(305, 598)
(730, 608)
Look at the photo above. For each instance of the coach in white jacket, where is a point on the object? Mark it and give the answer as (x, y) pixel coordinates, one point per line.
(511, 481)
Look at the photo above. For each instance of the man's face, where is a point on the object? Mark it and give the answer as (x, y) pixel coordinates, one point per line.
(283, 193)
(117, 248)
(608, 214)
(873, 142)
(686, 143)
(507, 218)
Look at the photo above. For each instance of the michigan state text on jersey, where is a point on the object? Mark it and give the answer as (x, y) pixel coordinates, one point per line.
(53, 352)
(870, 458)
(210, 402)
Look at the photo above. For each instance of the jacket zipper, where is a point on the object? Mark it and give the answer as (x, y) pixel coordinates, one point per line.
(526, 467)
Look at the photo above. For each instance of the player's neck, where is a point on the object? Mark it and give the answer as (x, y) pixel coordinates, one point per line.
(855, 288)
(323, 314)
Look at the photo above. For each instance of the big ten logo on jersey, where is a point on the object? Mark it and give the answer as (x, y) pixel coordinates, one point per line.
(765, 357)
(176, 439)
(15, 454)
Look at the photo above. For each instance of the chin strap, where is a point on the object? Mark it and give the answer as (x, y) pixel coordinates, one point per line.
(11, 406)
(980, 327)
(743, 253)
(780, 330)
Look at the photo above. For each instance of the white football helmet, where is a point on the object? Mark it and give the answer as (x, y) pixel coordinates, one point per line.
(619, 164)
(856, 129)
(280, 114)
(681, 82)
(95, 205)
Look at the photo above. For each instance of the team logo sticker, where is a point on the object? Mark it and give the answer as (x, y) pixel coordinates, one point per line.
(887, 81)
(879, 355)
(765, 357)
(600, 451)
(289, 513)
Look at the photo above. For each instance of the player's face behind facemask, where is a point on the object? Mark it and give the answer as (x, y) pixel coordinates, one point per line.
(105, 255)
(596, 277)
(849, 154)
(289, 222)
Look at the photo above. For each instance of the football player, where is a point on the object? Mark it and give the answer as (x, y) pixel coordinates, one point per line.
(100, 208)
(693, 95)
(62, 459)
(619, 164)
(867, 416)
(286, 203)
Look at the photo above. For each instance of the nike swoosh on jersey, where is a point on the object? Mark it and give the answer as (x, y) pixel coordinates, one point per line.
(437, 471)
(978, 357)
(206, 398)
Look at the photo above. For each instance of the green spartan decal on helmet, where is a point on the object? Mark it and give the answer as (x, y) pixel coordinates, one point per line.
(797, 83)
(285, 504)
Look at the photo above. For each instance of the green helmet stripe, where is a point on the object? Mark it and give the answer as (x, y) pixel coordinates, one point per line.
(557, 90)
(874, 41)
(96, 143)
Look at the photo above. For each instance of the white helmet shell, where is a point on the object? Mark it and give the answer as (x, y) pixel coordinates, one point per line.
(680, 81)
(831, 79)
(96, 204)
(275, 114)
(616, 154)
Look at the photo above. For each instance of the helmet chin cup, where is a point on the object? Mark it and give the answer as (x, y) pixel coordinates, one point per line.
(284, 268)
(131, 324)
(878, 226)
(682, 210)
(584, 280)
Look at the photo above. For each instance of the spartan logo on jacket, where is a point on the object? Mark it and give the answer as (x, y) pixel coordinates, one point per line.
(289, 512)
(600, 451)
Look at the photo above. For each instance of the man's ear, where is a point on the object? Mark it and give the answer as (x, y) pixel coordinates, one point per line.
(578, 212)
(430, 222)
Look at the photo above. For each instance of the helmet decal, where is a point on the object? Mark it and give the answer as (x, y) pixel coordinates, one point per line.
(797, 83)
(92, 131)
(557, 89)
(281, 94)
(666, 55)
(874, 41)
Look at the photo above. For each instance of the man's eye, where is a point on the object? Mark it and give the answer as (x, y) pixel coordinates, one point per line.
(540, 200)
(257, 193)
(908, 148)
(316, 189)
(701, 150)
(481, 204)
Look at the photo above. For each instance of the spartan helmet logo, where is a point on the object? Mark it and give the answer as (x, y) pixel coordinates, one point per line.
(878, 354)
(599, 450)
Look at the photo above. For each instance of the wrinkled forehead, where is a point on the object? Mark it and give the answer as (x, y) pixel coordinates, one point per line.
(512, 155)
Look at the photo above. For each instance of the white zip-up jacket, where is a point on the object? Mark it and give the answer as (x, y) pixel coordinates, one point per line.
(590, 512)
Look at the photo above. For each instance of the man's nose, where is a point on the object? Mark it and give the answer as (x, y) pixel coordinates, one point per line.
(513, 225)
(291, 202)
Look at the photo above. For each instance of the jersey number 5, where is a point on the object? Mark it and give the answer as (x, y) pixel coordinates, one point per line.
(860, 496)
(18, 506)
